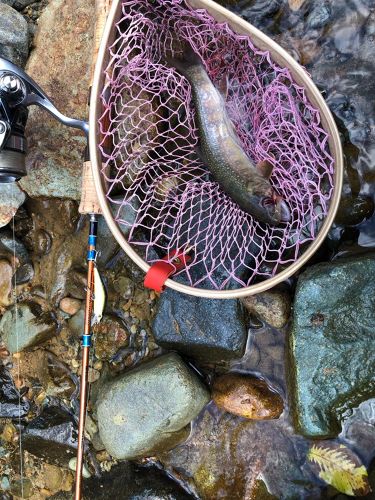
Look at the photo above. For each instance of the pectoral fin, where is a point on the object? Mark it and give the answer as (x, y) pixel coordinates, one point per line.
(265, 168)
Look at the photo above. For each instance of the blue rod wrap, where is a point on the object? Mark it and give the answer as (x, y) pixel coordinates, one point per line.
(91, 255)
(86, 340)
(92, 240)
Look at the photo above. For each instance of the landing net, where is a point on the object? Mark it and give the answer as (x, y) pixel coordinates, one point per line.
(162, 195)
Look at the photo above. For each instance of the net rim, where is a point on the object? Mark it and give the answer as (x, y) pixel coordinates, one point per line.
(299, 74)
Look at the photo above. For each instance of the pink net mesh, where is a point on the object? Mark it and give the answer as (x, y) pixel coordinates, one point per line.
(161, 194)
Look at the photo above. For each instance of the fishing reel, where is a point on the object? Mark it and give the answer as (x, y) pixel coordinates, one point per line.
(17, 92)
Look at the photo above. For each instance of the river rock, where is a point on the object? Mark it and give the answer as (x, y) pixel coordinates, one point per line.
(271, 306)
(111, 335)
(332, 343)
(246, 397)
(10, 247)
(70, 305)
(6, 273)
(76, 322)
(147, 409)
(126, 214)
(52, 436)
(354, 209)
(25, 326)
(207, 329)
(11, 198)
(14, 35)
(11, 405)
(54, 161)
(141, 484)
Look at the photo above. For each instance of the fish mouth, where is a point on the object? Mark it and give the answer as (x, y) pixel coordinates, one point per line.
(276, 208)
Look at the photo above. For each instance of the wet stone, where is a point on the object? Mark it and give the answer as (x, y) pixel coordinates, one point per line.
(10, 246)
(70, 306)
(22, 488)
(11, 198)
(52, 436)
(141, 484)
(271, 306)
(210, 330)
(246, 397)
(76, 322)
(14, 36)
(11, 406)
(334, 325)
(6, 273)
(147, 409)
(354, 210)
(111, 335)
(26, 325)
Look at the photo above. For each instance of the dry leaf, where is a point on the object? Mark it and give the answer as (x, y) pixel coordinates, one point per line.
(338, 466)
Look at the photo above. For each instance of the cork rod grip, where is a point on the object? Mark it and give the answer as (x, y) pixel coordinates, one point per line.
(89, 199)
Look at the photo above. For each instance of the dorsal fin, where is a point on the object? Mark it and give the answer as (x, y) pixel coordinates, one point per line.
(265, 168)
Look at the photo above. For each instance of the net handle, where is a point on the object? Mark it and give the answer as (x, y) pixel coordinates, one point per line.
(89, 199)
(300, 76)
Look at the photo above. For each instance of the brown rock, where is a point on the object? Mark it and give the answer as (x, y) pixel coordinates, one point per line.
(54, 161)
(6, 273)
(111, 335)
(271, 306)
(70, 306)
(246, 397)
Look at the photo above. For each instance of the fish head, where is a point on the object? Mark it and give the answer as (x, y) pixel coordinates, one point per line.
(268, 206)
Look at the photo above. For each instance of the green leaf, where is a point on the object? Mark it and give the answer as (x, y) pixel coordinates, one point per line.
(340, 467)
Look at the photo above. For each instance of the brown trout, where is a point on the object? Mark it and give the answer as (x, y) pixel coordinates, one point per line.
(245, 183)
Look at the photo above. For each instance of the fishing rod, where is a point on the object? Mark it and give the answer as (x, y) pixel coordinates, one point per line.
(17, 92)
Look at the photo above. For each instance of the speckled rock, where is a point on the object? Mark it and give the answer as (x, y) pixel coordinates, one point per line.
(271, 306)
(332, 343)
(246, 397)
(141, 484)
(54, 162)
(207, 329)
(25, 326)
(14, 35)
(111, 335)
(147, 409)
(11, 198)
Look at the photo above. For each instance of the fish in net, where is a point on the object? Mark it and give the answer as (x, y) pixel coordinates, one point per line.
(161, 193)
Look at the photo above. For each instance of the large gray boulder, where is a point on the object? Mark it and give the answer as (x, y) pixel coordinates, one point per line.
(147, 409)
(332, 343)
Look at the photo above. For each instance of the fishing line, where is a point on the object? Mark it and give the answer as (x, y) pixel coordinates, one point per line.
(15, 298)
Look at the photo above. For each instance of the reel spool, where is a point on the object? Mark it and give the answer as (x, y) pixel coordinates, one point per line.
(130, 75)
